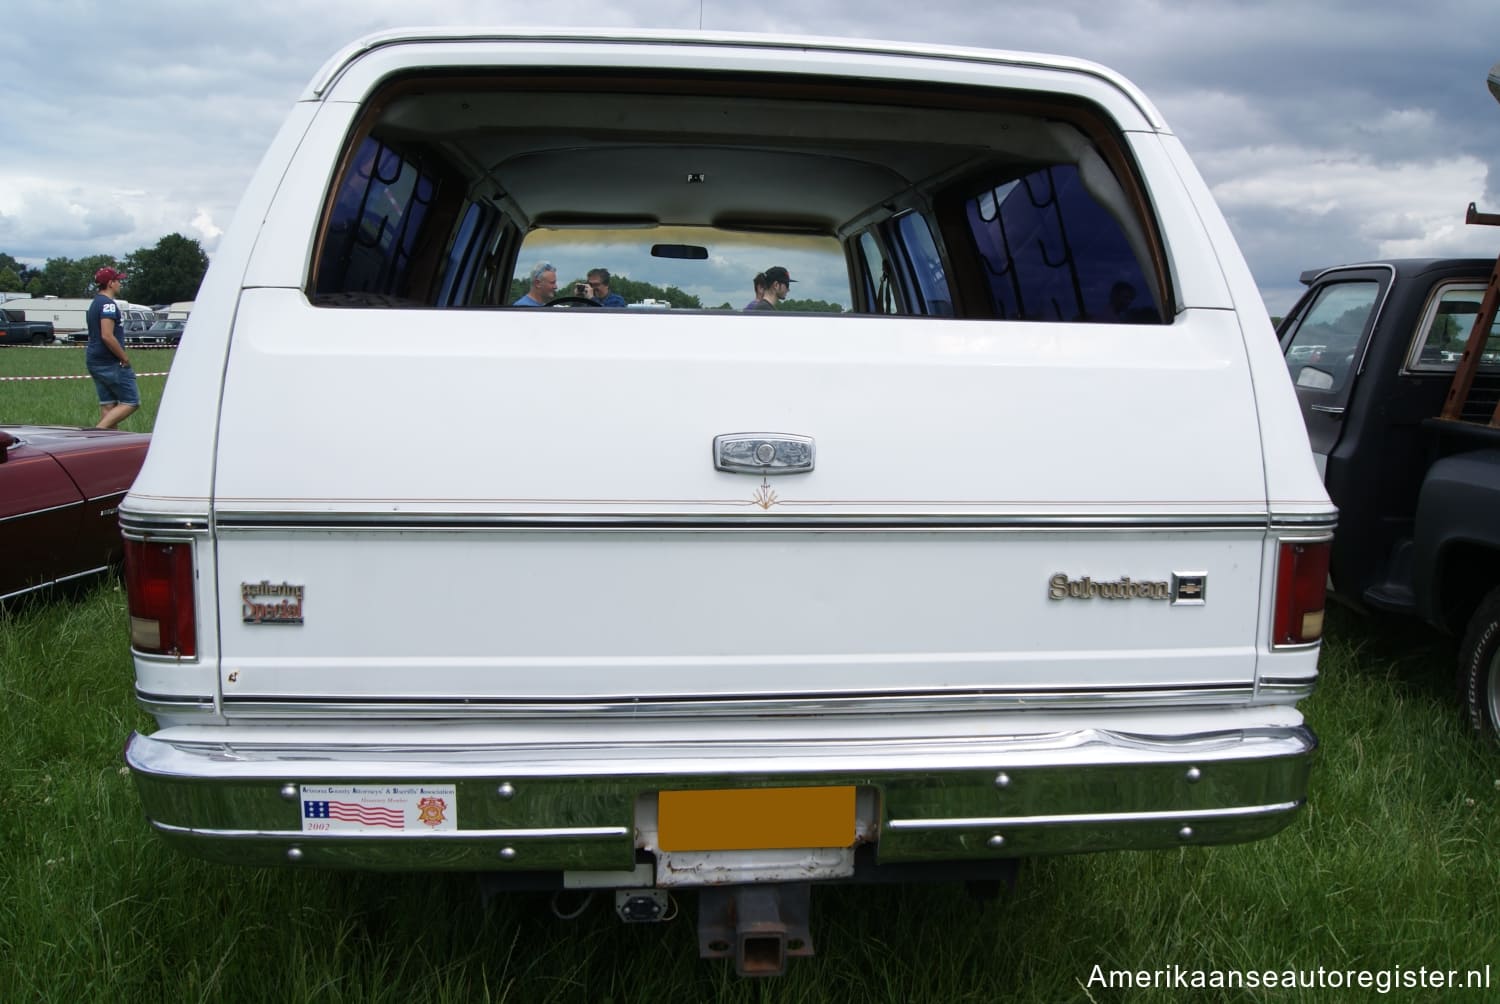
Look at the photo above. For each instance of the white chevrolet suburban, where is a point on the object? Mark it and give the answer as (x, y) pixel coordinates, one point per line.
(991, 532)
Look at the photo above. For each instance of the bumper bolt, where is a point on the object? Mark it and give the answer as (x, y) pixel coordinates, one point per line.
(1194, 775)
(1186, 833)
(294, 854)
(1002, 780)
(506, 790)
(507, 854)
(997, 841)
(289, 792)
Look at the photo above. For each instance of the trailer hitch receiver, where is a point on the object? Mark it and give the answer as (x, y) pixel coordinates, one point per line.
(759, 925)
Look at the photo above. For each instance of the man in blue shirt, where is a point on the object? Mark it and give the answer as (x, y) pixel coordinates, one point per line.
(543, 279)
(105, 357)
(599, 289)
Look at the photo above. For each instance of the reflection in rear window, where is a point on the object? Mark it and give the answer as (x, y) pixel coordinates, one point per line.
(1051, 252)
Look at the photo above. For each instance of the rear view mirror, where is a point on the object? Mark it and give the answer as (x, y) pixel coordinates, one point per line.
(1315, 378)
(693, 252)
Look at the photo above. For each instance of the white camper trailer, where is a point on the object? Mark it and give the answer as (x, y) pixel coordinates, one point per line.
(67, 314)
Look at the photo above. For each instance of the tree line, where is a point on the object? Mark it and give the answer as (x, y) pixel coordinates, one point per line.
(167, 273)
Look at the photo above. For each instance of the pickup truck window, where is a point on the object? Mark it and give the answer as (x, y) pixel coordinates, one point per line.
(1322, 349)
(1446, 326)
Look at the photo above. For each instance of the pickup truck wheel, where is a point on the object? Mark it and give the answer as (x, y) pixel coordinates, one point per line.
(1479, 668)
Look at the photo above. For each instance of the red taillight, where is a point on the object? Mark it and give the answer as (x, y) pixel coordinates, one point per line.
(1301, 580)
(159, 587)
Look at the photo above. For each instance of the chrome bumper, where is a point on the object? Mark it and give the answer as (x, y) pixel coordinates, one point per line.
(578, 806)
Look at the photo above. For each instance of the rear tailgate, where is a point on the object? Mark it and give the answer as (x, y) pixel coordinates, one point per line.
(532, 512)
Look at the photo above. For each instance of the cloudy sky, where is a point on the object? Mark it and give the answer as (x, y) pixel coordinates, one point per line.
(1330, 131)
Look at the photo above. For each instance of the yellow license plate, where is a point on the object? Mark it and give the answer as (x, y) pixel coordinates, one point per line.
(745, 819)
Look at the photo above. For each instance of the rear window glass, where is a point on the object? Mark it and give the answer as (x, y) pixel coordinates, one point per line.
(944, 202)
(1447, 325)
(722, 279)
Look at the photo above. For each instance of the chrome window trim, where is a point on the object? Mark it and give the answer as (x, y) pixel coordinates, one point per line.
(607, 42)
(1375, 315)
(1411, 364)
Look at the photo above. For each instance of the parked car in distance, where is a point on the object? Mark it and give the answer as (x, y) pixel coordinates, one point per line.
(16, 329)
(165, 332)
(60, 489)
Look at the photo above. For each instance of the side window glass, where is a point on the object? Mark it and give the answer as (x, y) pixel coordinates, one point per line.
(463, 270)
(880, 277)
(376, 219)
(1051, 252)
(1446, 327)
(924, 264)
(1320, 353)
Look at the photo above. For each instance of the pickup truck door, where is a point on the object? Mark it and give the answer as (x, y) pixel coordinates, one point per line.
(1324, 340)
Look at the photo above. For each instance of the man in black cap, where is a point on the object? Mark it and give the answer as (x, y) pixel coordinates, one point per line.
(778, 288)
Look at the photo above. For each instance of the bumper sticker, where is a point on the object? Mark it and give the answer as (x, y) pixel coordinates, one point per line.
(378, 808)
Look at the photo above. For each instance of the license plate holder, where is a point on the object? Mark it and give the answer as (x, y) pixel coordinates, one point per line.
(742, 819)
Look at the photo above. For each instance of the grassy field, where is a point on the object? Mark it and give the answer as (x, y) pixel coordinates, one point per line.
(1393, 866)
(73, 401)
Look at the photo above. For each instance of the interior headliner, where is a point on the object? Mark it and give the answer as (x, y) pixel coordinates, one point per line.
(793, 163)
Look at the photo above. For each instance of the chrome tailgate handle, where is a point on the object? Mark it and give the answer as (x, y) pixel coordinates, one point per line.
(763, 453)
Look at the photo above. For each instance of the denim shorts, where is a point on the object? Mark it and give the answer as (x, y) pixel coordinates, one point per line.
(115, 383)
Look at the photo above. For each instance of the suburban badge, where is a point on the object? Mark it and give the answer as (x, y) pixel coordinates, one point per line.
(1060, 587)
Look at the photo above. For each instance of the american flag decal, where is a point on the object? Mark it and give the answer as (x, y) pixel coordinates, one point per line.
(355, 812)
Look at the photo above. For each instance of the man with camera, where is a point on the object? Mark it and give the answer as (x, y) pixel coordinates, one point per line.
(597, 289)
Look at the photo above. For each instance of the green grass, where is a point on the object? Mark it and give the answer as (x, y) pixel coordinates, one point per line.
(73, 401)
(1395, 862)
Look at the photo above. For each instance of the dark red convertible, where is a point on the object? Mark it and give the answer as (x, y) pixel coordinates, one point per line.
(60, 489)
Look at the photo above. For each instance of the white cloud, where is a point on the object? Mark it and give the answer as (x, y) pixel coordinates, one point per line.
(1411, 208)
(1330, 131)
